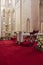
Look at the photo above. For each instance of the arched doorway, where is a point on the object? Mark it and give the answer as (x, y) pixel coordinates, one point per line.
(28, 25)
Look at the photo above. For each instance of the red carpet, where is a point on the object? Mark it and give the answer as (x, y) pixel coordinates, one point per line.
(12, 54)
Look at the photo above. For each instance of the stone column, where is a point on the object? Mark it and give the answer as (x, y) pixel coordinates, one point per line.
(3, 23)
(35, 14)
(26, 13)
(17, 12)
(0, 18)
(8, 8)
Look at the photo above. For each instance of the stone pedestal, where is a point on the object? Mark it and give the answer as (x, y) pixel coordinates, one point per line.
(19, 37)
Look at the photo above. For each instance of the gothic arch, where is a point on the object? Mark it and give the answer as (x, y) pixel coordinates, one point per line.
(28, 25)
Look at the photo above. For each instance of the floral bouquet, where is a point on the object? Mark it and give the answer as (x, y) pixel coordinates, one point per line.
(40, 42)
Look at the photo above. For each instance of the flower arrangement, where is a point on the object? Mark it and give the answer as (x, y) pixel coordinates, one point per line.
(40, 42)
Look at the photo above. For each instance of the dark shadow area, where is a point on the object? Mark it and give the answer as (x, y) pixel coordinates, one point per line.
(26, 45)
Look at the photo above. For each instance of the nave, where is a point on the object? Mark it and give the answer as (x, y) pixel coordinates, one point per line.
(14, 54)
(21, 32)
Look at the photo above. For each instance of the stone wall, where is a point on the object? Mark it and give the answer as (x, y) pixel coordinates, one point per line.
(35, 14)
(27, 9)
(17, 14)
(26, 14)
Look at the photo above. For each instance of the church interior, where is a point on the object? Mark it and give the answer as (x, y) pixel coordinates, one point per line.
(21, 32)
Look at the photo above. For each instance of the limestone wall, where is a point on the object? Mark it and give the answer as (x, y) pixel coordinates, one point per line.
(26, 14)
(17, 14)
(27, 9)
(30, 9)
(35, 14)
